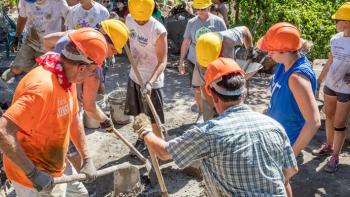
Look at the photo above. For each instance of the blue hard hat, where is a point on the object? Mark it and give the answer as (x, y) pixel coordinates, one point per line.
(30, 1)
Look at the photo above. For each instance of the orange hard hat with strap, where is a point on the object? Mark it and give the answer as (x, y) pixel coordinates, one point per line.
(91, 43)
(281, 37)
(218, 68)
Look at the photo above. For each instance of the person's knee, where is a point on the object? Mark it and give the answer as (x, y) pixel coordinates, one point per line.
(329, 111)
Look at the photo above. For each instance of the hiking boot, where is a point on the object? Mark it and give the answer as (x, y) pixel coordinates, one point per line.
(325, 149)
(140, 146)
(332, 165)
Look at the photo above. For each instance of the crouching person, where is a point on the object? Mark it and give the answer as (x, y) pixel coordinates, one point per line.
(242, 153)
(35, 130)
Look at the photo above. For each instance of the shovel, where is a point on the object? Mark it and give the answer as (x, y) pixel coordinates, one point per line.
(126, 177)
(158, 123)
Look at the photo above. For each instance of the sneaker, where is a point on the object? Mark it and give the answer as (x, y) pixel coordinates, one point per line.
(332, 165)
(140, 146)
(325, 149)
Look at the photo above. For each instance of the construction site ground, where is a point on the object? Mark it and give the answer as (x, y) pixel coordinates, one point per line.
(180, 114)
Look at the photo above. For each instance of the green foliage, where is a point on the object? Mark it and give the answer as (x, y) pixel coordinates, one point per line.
(312, 17)
(8, 3)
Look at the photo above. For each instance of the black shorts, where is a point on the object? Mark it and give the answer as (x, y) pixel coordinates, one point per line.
(341, 97)
(189, 68)
(135, 105)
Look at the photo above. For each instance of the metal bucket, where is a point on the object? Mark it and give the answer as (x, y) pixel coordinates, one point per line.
(91, 123)
(116, 100)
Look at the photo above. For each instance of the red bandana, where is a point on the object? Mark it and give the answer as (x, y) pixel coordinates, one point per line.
(52, 62)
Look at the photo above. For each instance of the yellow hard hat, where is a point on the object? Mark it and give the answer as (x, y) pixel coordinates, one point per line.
(117, 31)
(208, 48)
(141, 10)
(201, 4)
(343, 13)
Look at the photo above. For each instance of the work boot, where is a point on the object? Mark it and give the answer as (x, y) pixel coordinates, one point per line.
(140, 146)
(324, 150)
(332, 165)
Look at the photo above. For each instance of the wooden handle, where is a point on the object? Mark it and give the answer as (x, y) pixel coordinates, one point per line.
(138, 154)
(82, 177)
(158, 123)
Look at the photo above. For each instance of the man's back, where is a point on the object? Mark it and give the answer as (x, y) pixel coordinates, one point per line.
(250, 150)
(242, 153)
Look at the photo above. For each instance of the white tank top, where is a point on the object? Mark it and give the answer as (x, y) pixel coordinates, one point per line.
(142, 41)
(340, 47)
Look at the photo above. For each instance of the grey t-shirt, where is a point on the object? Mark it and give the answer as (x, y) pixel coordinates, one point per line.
(230, 39)
(195, 27)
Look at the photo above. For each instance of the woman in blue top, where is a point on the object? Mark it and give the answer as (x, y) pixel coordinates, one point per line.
(293, 86)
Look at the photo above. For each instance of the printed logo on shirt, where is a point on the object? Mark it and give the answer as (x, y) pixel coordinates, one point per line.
(64, 107)
(140, 39)
(201, 31)
(132, 33)
(274, 86)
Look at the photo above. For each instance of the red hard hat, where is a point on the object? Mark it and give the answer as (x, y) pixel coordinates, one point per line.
(218, 68)
(281, 37)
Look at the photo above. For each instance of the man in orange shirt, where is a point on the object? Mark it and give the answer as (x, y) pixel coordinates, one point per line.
(35, 130)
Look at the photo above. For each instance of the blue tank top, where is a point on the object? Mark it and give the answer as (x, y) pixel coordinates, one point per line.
(283, 106)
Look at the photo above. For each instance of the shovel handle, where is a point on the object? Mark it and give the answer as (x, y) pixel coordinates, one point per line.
(82, 177)
(138, 154)
(158, 123)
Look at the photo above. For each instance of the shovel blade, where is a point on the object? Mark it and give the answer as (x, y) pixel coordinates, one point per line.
(127, 180)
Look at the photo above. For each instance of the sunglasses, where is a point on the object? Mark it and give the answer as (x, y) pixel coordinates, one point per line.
(202, 10)
(105, 1)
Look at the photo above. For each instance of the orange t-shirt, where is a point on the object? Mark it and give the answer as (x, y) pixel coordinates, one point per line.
(43, 111)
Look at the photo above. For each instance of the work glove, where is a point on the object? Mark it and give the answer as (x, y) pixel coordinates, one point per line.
(14, 44)
(107, 125)
(142, 125)
(146, 89)
(251, 53)
(41, 181)
(88, 168)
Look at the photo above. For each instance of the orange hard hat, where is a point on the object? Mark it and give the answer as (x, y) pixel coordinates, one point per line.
(91, 43)
(218, 68)
(281, 37)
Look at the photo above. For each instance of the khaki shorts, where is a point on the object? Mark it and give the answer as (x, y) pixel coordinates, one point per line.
(25, 58)
(209, 111)
(72, 189)
(198, 76)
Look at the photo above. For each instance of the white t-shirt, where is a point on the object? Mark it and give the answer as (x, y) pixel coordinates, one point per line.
(42, 19)
(340, 48)
(143, 40)
(78, 17)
